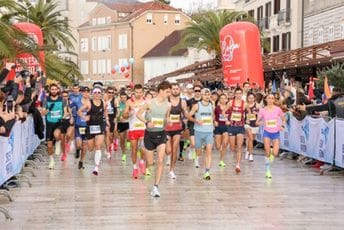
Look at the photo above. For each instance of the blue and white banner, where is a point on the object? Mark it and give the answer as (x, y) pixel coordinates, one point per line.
(16, 148)
(314, 138)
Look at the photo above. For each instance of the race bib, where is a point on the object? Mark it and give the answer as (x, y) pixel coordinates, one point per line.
(82, 130)
(139, 125)
(223, 117)
(252, 117)
(55, 114)
(236, 117)
(110, 110)
(158, 122)
(95, 129)
(207, 120)
(174, 118)
(271, 123)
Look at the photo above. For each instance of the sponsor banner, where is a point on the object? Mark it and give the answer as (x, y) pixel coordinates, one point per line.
(16, 148)
(339, 161)
(312, 137)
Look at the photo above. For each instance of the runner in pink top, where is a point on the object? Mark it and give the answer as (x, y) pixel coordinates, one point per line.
(273, 120)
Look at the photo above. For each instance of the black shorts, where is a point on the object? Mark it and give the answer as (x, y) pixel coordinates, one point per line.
(235, 130)
(65, 125)
(90, 134)
(173, 133)
(153, 139)
(112, 124)
(50, 128)
(191, 129)
(220, 129)
(122, 127)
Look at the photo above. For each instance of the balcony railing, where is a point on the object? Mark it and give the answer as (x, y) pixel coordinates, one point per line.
(284, 17)
(263, 23)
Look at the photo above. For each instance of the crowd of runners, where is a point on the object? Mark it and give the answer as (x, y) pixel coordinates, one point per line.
(171, 122)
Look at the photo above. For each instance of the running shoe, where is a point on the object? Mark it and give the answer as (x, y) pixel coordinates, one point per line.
(171, 175)
(108, 155)
(206, 176)
(155, 192)
(57, 148)
(268, 174)
(64, 157)
(180, 158)
(124, 157)
(142, 167)
(148, 172)
(168, 160)
(81, 165)
(250, 158)
(96, 171)
(51, 164)
(246, 155)
(237, 168)
(135, 173)
(222, 164)
(196, 163)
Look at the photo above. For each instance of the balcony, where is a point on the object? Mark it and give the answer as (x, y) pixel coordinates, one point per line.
(263, 23)
(284, 17)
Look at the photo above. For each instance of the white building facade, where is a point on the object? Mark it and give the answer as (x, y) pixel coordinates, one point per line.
(323, 21)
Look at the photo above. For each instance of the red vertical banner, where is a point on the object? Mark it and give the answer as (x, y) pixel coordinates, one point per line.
(34, 32)
(241, 54)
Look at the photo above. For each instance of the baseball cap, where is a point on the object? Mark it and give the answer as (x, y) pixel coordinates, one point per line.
(205, 90)
(84, 89)
(189, 86)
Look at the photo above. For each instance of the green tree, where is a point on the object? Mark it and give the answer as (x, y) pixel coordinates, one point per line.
(203, 30)
(335, 75)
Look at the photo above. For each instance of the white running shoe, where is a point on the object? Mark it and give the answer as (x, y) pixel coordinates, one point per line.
(51, 164)
(196, 162)
(168, 160)
(171, 175)
(246, 155)
(250, 158)
(108, 155)
(96, 171)
(155, 192)
(57, 148)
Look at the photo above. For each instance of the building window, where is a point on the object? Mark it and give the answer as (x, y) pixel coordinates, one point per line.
(84, 45)
(251, 13)
(331, 33)
(342, 31)
(84, 67)
(286, 41)
(122, 15)
(101, 21)
(94, 21)
(165, 19)
(94, 67)
(277, 6)
(320, 36)
(94, 43)
(177, 19)
(108, 20)
(104, 43)
(108, 66)
(149, 19)
(102, 66)
(275, 44)
(122, 41)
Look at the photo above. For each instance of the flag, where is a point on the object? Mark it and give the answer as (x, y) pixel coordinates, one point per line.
(327, 90)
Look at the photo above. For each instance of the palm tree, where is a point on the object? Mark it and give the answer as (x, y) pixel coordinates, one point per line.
(204, 28)
(56, 30)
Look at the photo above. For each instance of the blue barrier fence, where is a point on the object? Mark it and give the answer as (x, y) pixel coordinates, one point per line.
(15, 149)
(314, 138)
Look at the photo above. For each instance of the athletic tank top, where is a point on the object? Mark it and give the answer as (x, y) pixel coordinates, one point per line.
(251, 115)
(111, 108)
(134, 122)
(205, 114)
(55, 110)
(121, 108)
(221, 117)
(96, 114)
(157, 115)
(175, 117)
(237, 114)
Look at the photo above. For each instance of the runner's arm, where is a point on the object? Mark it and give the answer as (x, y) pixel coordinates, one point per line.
(192, 112)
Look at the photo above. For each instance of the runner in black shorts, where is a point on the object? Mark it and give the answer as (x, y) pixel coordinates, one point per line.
(122, 124)
(112, 113)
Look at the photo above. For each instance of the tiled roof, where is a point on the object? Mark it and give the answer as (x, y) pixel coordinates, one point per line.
(153, 5)
(162, 49)
(124, 6)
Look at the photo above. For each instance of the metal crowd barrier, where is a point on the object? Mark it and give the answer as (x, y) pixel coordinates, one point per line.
(314, 138)
(18, 156)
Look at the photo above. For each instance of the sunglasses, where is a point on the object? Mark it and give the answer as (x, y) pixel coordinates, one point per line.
(97, 92)
(197, 91)
(110, 92)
